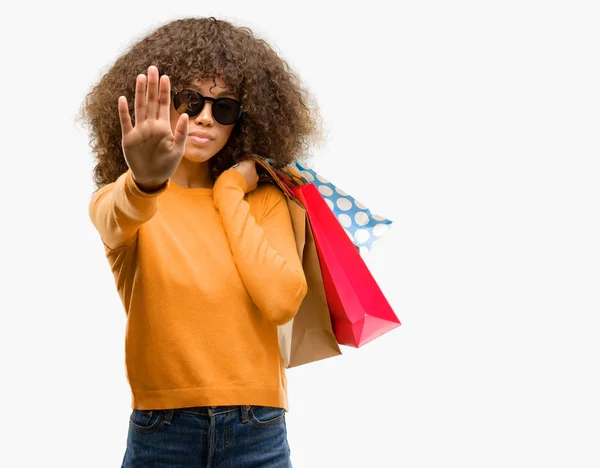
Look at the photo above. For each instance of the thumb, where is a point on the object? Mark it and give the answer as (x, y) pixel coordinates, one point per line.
(181, 132)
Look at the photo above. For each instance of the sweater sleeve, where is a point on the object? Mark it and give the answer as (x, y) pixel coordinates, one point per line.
(264, 253)
(117, 210)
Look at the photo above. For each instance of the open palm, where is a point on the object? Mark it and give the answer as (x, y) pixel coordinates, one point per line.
(151, 150)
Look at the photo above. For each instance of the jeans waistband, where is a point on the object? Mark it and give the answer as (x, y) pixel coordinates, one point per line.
(210, 410)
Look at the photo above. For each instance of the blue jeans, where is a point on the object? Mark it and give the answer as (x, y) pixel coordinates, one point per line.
(208, 436)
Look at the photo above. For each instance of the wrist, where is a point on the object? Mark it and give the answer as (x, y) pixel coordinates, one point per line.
(238, 178)
(149, 187)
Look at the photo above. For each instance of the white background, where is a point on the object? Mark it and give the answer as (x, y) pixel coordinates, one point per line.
(472, 125)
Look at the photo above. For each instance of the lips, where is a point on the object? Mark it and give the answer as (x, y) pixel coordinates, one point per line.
(198, 140)
(201, 135)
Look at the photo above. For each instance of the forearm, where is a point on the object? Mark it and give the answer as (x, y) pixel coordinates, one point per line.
(118, 210)
(266, 256)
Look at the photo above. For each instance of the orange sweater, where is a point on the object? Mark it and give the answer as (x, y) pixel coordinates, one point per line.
(205, 276)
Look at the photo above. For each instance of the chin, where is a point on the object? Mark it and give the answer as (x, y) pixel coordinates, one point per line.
(197, 157)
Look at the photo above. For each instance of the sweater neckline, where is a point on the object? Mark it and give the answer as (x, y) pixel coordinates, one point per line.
(190, 191)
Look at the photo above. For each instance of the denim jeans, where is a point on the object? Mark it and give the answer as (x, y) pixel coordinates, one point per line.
(208, 437)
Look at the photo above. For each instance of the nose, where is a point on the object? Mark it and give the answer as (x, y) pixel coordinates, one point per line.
(205, 116)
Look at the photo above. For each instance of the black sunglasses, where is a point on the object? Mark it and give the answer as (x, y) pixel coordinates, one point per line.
(226, 111)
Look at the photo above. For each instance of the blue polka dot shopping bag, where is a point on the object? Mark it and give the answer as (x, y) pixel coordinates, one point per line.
(362, 227)
(341, 227)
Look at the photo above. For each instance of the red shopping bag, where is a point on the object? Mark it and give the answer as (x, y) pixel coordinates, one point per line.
(359, 310)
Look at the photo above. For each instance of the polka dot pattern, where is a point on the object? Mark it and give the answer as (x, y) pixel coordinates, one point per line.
(362, 235)
(345, 220)
(325, 190)
(342, 203)
(321, 179)
(308, 176)
(380, 229)
(363, 227)
(361, 218)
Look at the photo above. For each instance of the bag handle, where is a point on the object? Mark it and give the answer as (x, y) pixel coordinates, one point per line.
(264, 164)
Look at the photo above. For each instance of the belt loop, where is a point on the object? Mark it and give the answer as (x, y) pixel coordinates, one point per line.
(169, 415)
(245, 416)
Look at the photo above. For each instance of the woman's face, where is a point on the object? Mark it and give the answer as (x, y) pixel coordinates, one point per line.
(201, 151)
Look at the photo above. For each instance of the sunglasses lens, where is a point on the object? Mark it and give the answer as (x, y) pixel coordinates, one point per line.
(188, 101)
(225, 111)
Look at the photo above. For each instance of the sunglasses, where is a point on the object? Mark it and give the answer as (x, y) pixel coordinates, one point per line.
(226, 111)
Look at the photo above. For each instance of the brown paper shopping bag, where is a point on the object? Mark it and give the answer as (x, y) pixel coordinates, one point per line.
(309, 336)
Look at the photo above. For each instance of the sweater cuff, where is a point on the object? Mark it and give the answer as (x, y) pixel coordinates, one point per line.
(134, 189)
(232, 177)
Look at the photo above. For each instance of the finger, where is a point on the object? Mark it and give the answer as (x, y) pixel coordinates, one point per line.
(152, 109)
(140, 98)
(124, 116)
(164, 110)
(181, 131)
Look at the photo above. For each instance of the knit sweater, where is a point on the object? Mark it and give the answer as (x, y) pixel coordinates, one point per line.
(205, 276)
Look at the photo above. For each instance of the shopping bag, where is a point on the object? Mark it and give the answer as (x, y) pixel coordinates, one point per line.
(309, 336)
(363, 227)
(359, 310)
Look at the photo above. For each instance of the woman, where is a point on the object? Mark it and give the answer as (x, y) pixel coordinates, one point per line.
(203, 254)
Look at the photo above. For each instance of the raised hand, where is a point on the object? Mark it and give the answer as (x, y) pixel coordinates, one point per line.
(151, 150)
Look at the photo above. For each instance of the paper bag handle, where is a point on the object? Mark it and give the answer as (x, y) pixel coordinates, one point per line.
(286, 190)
